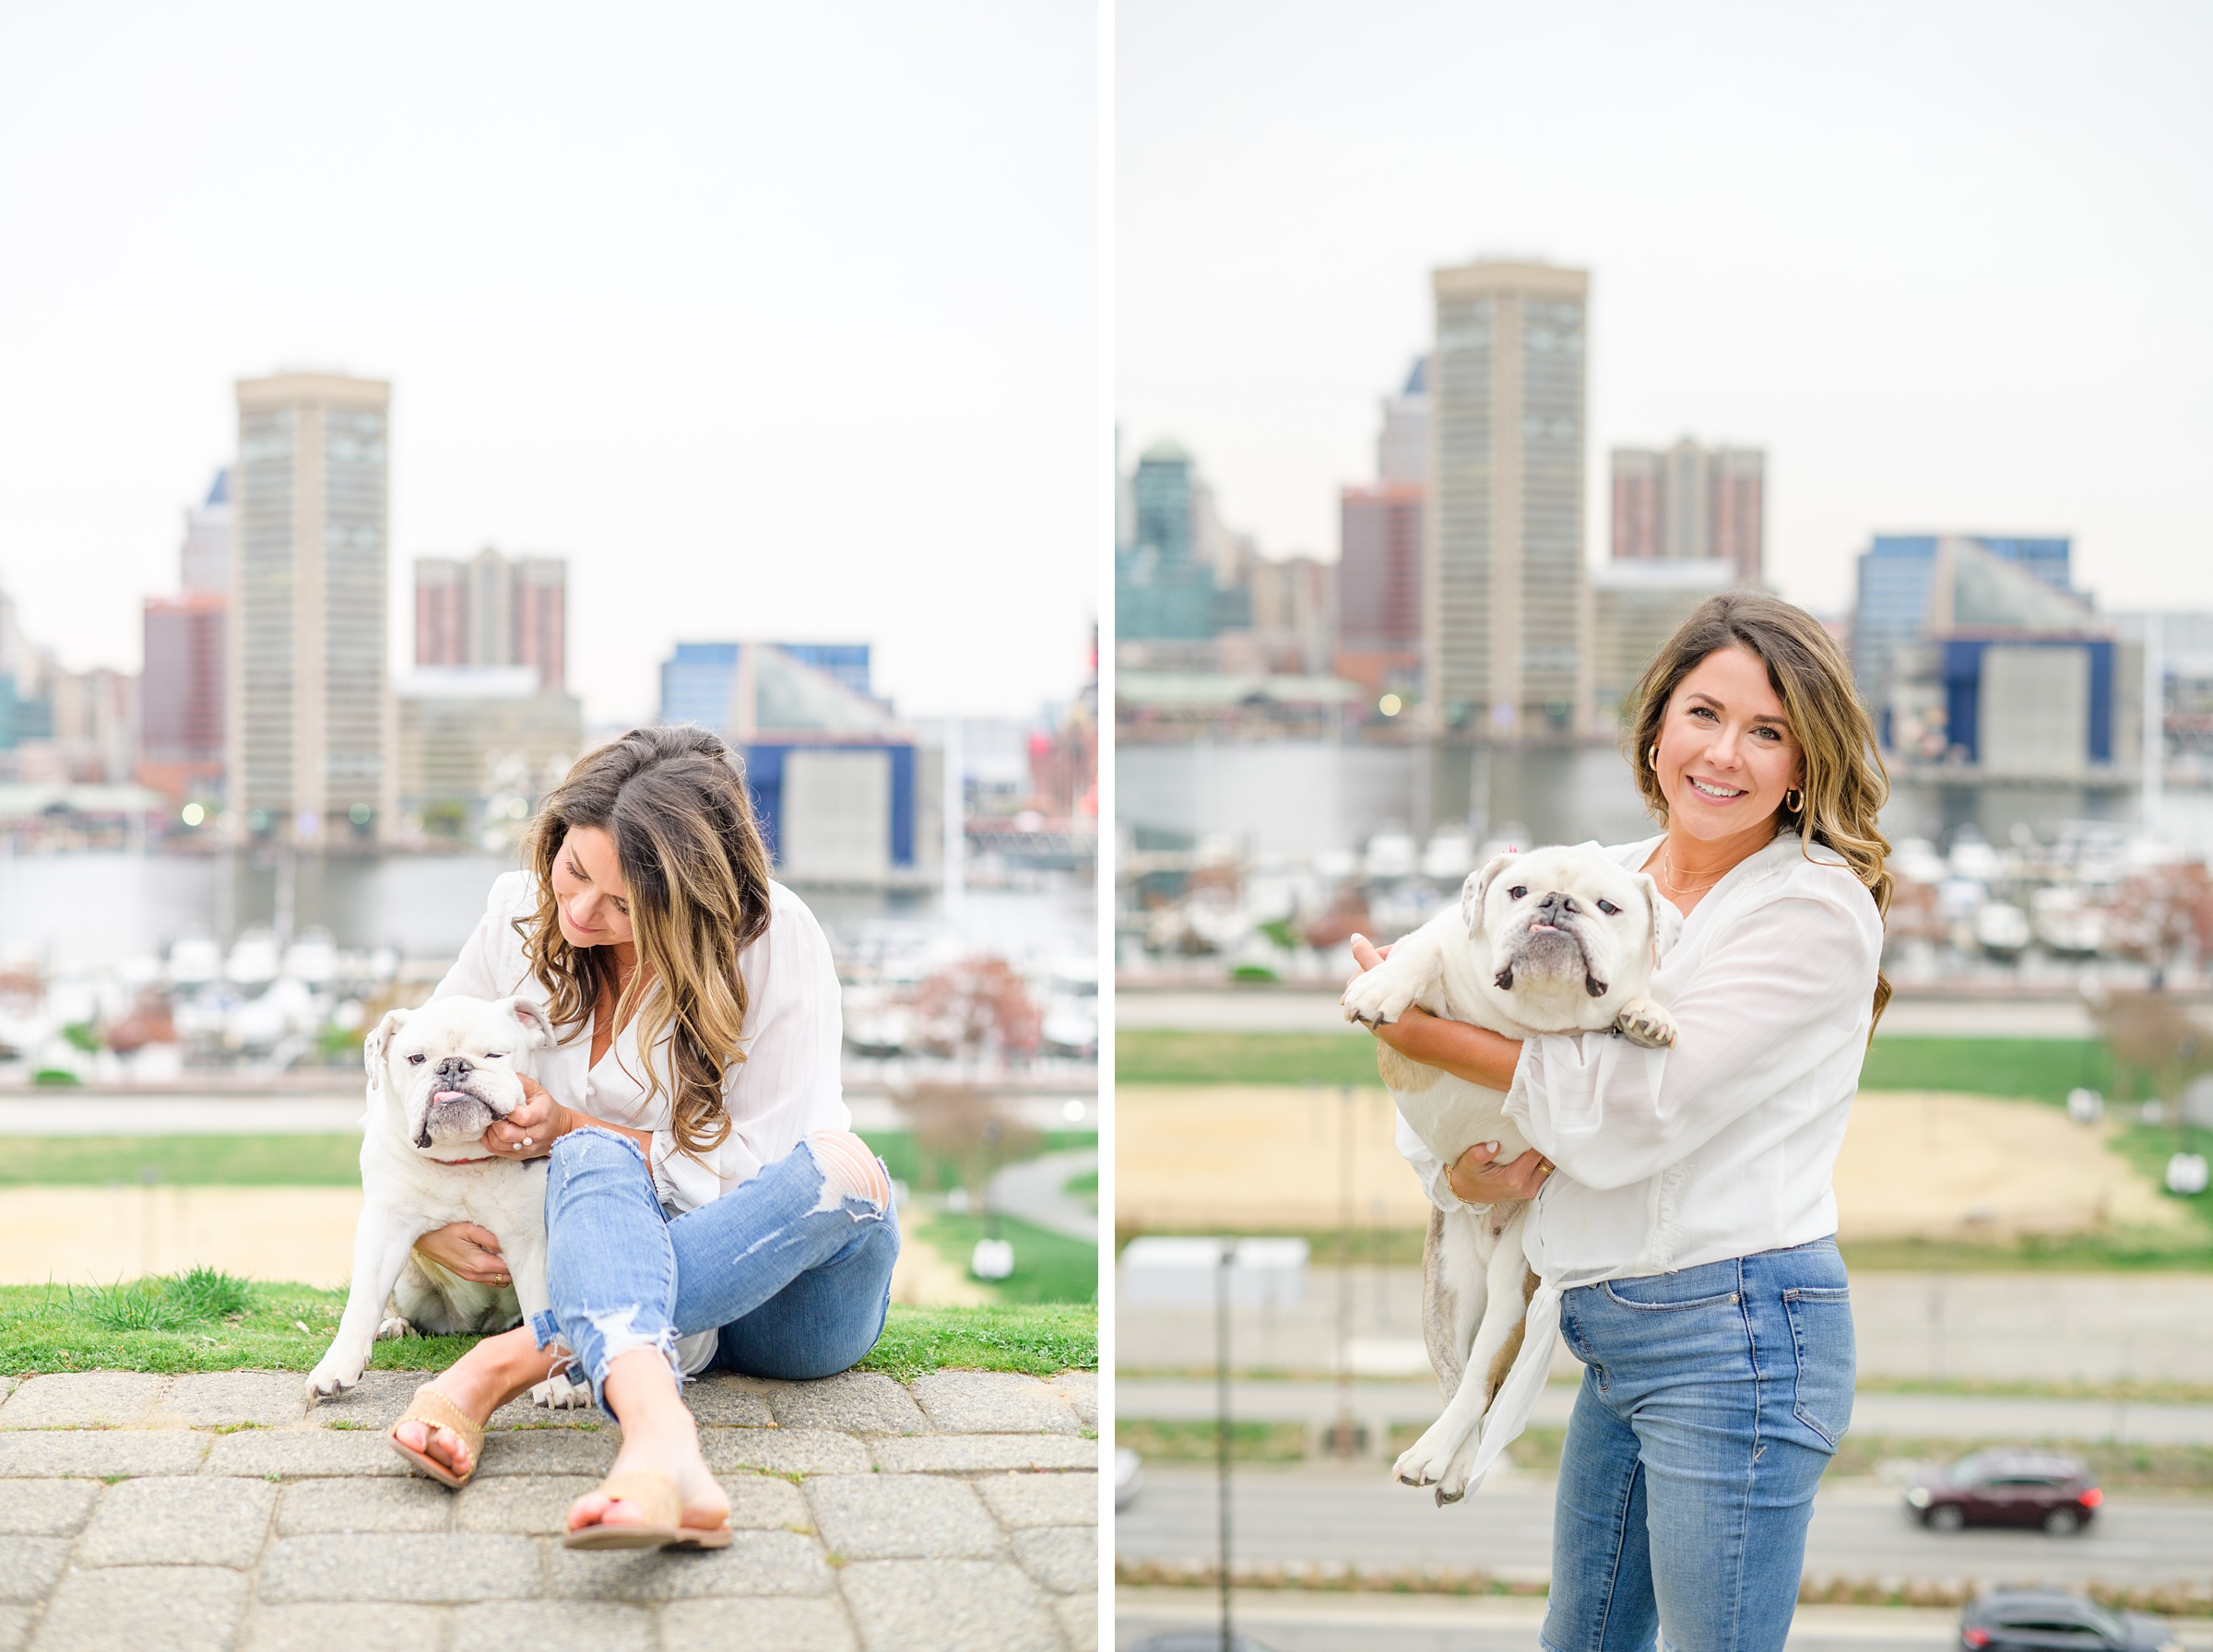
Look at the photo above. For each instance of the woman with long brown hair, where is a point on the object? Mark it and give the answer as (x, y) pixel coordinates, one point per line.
(707, 1203)
(1686, 1245)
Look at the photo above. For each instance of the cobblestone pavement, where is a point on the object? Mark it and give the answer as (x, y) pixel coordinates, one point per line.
(205, 1512)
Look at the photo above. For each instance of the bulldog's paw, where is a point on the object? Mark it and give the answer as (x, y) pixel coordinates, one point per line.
(1452, 1485)
(392, 1329)
(1379, 998)
(561, 1393)
(1430, 1460)
(1644, 1023)
(331, 1378)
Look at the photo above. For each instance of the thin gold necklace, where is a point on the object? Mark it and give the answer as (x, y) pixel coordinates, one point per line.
(1667, 861)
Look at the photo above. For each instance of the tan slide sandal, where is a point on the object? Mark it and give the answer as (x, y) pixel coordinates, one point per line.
(434, 1409)
(656, 1497)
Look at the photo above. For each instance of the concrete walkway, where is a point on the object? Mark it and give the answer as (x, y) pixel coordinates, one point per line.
(200, 1514)
(1032, 1192)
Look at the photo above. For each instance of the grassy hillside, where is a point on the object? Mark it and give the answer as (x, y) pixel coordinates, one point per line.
(208, 1321)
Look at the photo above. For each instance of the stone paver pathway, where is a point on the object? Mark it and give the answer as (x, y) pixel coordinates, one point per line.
(205, 1512)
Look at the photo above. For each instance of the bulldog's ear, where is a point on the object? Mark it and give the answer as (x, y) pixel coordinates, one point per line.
(531, 1016)
(380, 1036)
(1478, 885)
(1667, 922)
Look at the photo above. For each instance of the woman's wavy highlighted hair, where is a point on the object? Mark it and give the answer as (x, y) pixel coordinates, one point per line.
(696, 870)
(1845, 784)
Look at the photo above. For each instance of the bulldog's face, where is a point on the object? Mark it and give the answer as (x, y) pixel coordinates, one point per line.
(1561, 919)
(454, 1066)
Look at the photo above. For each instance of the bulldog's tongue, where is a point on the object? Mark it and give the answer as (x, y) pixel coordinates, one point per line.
(450, 1095)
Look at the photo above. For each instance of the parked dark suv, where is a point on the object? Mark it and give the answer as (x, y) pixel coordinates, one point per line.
(2046, 1620)
(2007, 1488)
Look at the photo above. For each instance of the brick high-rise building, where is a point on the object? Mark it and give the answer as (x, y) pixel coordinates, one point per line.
(181, 721)
(440, 611)
(540, 616)
(493, 611)
(1690, 503)
(182, 686)
(1502, 599)
(307, 737)
(1379, 583)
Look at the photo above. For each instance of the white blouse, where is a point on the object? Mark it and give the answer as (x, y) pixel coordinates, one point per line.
(789, 1084)
(1721, 1146)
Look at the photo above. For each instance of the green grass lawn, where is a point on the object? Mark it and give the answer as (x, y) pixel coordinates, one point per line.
(325, 1160)
(206, 1321)
(907, 1162)
(1048, 1267)
(2045, 1068)
(191, 1161)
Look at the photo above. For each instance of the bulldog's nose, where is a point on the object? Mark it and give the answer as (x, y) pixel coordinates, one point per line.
(453, 1070)
(1557, 902)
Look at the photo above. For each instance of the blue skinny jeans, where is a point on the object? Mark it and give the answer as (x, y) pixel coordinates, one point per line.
(1713, 1400)
(797, 1286)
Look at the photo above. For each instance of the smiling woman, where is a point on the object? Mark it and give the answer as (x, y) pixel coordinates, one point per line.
(1685, 1246)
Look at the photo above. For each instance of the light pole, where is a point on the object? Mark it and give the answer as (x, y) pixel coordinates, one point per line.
(1225, 1259)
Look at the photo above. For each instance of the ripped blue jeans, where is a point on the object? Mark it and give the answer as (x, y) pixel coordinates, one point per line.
(795, 1290)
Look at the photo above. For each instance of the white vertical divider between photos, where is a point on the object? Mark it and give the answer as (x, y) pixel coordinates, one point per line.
(1103, 876)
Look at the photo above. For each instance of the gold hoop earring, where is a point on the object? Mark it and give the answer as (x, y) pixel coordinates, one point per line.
(1651, 760)
(1793, 799)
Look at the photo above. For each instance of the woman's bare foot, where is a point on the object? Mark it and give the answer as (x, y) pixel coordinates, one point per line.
(657, 1434)
(478, 1384)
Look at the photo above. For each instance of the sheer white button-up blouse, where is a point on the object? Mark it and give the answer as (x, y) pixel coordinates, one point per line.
(789, 1084)
(1721, 1146)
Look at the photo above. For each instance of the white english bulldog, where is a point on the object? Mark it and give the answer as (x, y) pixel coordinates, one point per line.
(1555, 941)
(439, 1075)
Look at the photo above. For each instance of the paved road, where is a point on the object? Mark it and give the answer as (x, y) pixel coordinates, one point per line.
(2096, 1327)
(1228, 1010)
(1927, 1416)
(1032, 1191)
(1357, 1514)
(1288, 1622)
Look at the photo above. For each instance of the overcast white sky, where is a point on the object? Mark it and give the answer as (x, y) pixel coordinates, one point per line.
(778, 321)
(1948, 263)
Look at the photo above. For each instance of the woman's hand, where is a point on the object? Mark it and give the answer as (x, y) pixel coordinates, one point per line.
(464, 1248)
(531, 1130)
(1475, 1054)
(1367, 954)
(1477, 1178)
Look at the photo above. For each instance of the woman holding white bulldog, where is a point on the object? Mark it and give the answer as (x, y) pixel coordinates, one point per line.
(1687, 1236)
(707, 1203)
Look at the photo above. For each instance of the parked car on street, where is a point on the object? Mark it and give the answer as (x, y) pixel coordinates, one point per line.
(2045, 1621)
(2007, 1488)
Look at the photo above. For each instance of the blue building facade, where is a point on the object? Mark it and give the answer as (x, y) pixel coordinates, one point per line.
(1896, 585)
(791, 704)
(765, 763)
(1963, 661)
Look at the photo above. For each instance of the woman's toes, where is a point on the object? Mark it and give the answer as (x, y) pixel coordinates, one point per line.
(593, 1509)
(453, 1450)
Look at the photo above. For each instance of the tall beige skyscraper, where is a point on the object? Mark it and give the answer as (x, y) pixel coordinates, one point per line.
(1504, 653)
(309, 722)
